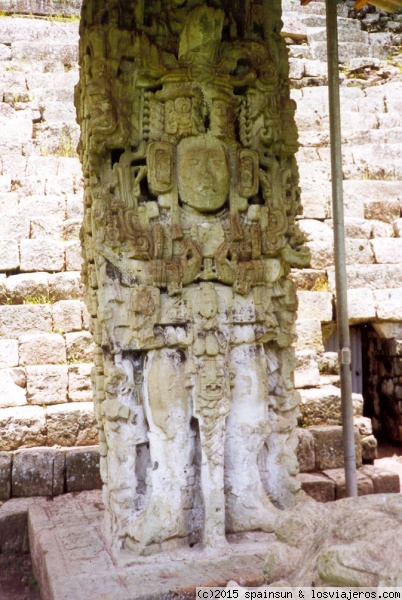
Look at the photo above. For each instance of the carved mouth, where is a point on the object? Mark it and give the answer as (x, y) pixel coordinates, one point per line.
(207, 188)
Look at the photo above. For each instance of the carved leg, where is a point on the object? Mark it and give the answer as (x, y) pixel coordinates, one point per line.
(211, 406)
(281, 461)
(247, 504)
(212, 484)
(119, 435)
(171, 445)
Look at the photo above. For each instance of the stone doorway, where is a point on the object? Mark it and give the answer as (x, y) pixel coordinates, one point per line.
(382, 380)
(377, 376)
(331, 345)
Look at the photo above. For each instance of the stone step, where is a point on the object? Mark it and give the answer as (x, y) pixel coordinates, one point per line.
(316, 99)
(366, 162)
(68, 424)
(358, 252)
(53, 52)
(40, 84)
(385, 135)
(330, 484)
(48, 472)
(301, 51)
(38, 7)
(314, 133)
(37, 316)
(358, 227)
(374, 277)
(381, 43)
(14, 522)
(292, 26)
(348, 32)
(313, 172)
(317, 21)
(321, 447)
(375, 161)
(347, 50)
(313, 8)
(19, 29)
(322, 406)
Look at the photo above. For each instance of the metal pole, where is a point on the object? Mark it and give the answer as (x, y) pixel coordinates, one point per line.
(339, 247)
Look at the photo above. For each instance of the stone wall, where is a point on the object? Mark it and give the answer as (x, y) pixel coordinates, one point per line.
(376, 20)
(48, 472)
(45, 346)
(43, 8)
(371, 88)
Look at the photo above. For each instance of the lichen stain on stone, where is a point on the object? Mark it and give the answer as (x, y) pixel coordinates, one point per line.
(190, 228)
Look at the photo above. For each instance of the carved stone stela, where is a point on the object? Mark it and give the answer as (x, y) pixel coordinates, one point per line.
(191, 197)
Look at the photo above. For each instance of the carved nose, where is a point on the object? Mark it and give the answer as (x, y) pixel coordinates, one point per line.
(207, 174)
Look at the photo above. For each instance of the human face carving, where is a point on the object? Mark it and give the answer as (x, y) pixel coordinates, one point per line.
(203, 173)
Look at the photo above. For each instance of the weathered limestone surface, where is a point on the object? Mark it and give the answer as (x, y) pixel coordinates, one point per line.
(328, 443)
(318, 486)
(68, 532)
(372, 149)
(67, 424)
(14, 524)
(36, 179)
(191, 195)
(37, 473)
(45, 345)
(307, 373)
(42, 7)
(306, 450)
(352, 542)
(82, 470)
(322, 406)
(355, 542)
(42, 349)
(48, 472)
(5, 476)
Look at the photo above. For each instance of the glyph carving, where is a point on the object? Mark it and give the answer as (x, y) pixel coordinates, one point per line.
(191, 196)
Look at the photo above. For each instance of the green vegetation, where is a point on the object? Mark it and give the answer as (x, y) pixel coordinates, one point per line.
(73, 359)
(59, 18)
(39, 299)
(321, 285)
(66, 148)
(33, 584)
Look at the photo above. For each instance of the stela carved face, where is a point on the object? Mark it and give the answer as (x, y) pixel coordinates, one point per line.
(202, 173)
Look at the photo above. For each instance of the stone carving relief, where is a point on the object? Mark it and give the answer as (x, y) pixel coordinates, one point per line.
(191, 197)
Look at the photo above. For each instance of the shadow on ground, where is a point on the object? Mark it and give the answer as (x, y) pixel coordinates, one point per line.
(16, 579)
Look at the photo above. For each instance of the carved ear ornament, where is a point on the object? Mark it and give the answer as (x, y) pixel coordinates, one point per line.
(160, 167)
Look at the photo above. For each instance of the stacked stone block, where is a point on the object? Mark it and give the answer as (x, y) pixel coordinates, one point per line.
(45, 345)
(371, 88)
(322, 475)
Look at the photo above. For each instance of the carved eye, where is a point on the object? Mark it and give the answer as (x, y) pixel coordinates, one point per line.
(194, 162)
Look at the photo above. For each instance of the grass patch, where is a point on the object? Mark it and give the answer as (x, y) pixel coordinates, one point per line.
(39, 299)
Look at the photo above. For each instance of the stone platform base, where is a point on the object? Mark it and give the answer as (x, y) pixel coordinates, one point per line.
(71, 560)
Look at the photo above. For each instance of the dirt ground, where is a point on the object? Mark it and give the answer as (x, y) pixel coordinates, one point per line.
(16, 579)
